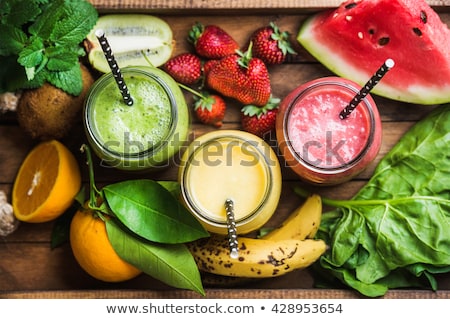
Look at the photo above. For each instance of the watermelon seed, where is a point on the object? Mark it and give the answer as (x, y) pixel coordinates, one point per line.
(371, 31)
(423, 16)
(417, 31)
(350, 5)
(383, 41)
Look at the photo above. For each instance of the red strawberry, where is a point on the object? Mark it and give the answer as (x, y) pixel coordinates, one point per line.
(211, 41)
(207, 66)
(184, 68)
(210, 109)
(270, 44)
(260, 120)
(242, 77)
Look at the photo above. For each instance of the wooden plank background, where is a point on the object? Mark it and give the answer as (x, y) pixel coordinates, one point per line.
(29, 268)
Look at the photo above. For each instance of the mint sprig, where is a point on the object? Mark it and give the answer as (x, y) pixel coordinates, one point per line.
(40, 42)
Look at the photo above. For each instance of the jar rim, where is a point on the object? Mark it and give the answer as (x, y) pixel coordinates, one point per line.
(104, 80)
(199, 211)
(368, 103)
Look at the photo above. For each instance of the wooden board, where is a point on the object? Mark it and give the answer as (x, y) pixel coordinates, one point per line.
(30, 268)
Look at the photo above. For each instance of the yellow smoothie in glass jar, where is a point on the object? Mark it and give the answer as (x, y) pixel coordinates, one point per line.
(230, 164)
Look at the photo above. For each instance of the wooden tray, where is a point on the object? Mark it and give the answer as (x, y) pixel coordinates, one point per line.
(30, 269)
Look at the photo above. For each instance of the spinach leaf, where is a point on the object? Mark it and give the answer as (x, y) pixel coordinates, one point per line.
(151, 211)
(172, 264)
(395, 232)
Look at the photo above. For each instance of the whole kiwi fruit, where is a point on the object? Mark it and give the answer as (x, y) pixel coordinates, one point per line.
(48, 112)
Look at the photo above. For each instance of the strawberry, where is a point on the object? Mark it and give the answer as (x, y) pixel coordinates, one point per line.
(207, 66)
(211, 41)
(271, 45)
(210, 109)
(184, 68)
(260, 120)
(242, 77)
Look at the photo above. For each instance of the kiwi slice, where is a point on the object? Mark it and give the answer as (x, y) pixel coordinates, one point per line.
(131, 36)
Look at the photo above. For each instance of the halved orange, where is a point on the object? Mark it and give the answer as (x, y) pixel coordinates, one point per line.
(46, 184)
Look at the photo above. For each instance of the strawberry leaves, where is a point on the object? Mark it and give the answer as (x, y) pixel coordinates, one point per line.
(210, 109)
(260, 120)
(271, 45)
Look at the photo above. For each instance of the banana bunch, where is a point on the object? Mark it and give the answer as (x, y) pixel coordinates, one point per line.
(289, 247)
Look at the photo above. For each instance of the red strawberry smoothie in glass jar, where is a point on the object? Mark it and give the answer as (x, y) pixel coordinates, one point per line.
(316, 143)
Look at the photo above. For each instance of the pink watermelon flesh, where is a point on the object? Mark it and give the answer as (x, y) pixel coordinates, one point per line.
(354, 40)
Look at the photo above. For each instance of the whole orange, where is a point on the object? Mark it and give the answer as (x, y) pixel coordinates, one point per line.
(93, 250)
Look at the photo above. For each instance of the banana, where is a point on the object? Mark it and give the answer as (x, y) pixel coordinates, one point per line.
(302, 223)
(258, 258)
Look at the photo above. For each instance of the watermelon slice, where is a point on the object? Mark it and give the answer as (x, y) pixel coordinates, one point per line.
(355, 39)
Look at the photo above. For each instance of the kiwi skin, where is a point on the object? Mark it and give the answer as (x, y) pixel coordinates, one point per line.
(47, 112)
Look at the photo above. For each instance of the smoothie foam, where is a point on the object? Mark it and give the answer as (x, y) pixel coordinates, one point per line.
(135, 128)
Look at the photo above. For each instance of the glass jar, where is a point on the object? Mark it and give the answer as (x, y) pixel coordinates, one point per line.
(230, 164)
(143, 136)
(319, 146)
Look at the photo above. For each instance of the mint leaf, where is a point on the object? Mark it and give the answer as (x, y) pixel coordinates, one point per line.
(33, 54)
(13, 77)
(12, 40)
(70, 81)
(63, 61)
(19, 12)
(45, 23)
(44, 37)
(73, 28)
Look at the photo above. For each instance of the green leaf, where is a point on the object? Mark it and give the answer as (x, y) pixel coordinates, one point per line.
(77, 22)
(69, 81)
(61, 227)
(45, 22)
(19, 12)
(62, 62)
(151, 211)
(173, 187)
(45, 38)
(172, 264)
(13, 77)
(395, 232)
(12, 40)
(33, 54)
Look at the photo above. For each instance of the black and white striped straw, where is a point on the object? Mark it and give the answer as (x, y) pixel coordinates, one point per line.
(387, 65)
(231, 226)
(115, 70)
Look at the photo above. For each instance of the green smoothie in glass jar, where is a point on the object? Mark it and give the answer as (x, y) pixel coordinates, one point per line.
(145, 135)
